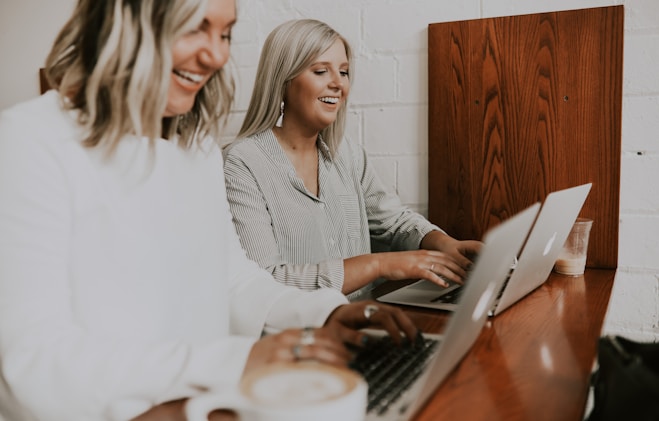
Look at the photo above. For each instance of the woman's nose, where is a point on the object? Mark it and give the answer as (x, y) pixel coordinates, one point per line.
(336, 80)
(216, 53)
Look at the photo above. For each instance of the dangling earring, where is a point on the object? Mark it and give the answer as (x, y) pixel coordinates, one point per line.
(280, 120)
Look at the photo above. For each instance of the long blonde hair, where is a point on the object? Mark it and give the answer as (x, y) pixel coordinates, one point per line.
(112, 61)
(288, 51)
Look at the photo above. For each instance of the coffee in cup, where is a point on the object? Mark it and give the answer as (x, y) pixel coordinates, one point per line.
(572, 258)
(299, 391)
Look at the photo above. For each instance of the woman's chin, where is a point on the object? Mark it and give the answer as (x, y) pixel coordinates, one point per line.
(172, 110)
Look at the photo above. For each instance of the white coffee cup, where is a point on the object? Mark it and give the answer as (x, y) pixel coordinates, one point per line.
(300, 391)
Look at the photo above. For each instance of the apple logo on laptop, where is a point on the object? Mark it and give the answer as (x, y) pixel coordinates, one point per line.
(549, 245)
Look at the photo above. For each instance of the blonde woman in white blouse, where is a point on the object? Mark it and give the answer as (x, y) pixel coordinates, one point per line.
(122, 282)
(305, 201)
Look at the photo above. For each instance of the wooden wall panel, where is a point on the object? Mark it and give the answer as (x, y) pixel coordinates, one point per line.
(520, 106)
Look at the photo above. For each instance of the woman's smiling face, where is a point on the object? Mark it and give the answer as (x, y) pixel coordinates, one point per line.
(199, 54)
(314, 97)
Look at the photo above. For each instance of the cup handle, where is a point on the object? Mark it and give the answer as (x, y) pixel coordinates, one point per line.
(197, 408)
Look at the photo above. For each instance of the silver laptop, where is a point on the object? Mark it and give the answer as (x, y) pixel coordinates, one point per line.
(551, 228)
(528, 272)
(491, 268)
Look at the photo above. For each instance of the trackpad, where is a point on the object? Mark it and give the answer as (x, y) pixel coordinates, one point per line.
(431, 287)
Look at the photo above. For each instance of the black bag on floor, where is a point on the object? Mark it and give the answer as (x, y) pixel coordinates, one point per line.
(625, 384)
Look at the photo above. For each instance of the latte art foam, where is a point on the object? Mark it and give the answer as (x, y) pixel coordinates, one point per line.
(299, 391)
(297, 384)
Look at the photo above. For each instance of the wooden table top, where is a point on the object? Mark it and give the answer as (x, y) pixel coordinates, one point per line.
(531, 362)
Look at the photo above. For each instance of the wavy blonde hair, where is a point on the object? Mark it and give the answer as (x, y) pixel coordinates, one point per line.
(290, 49)
(112, 61)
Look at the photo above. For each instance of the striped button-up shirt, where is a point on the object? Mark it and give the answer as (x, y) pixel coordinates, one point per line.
(302, 238)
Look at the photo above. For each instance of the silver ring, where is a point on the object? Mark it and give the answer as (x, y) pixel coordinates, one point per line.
(307, 337)
(370, 310)
(297, 355)
(432, 267)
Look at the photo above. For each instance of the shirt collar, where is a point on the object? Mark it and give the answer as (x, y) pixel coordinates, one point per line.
(324, 148)
(271, 146)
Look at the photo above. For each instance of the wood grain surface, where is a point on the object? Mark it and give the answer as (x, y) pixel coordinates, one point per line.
(520, 106)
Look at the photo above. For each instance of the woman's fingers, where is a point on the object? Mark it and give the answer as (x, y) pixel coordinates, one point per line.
(436, 266)
(346, 321)
(465, 252)
(320, 344)
(317, 344)
(329, 355)
(443, 268)
(394, 321)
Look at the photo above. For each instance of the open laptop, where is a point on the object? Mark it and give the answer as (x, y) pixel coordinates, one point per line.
(491, 268)
(544, 243)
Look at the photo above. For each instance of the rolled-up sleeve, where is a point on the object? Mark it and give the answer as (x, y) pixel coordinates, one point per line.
(389, 221)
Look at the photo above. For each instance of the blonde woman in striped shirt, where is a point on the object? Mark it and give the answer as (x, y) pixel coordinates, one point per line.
(306, 202)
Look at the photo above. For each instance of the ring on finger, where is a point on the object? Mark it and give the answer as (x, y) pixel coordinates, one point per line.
(307, 336)
(370, 310)
(432, 266)
(297, 352)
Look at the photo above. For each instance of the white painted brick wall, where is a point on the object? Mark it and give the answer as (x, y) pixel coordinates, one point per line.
(634, 306)
(388, 104)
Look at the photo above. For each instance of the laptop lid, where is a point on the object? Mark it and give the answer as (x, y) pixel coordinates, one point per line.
(557, 215)
(501, 245)
(427, 294)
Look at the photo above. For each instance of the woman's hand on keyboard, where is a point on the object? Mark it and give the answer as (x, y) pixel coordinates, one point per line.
(347, 320)
(461, 252)
(319, 344)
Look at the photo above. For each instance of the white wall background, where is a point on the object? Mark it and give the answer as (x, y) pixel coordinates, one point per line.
(389, 104)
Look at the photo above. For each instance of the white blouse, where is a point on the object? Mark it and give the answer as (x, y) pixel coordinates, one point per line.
(122, 281)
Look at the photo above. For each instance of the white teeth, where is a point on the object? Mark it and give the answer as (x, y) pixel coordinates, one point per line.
(192, 77)
(329, 99)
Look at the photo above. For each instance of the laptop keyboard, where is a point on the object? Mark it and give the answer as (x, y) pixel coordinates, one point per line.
(389, 369)
(449, 297)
